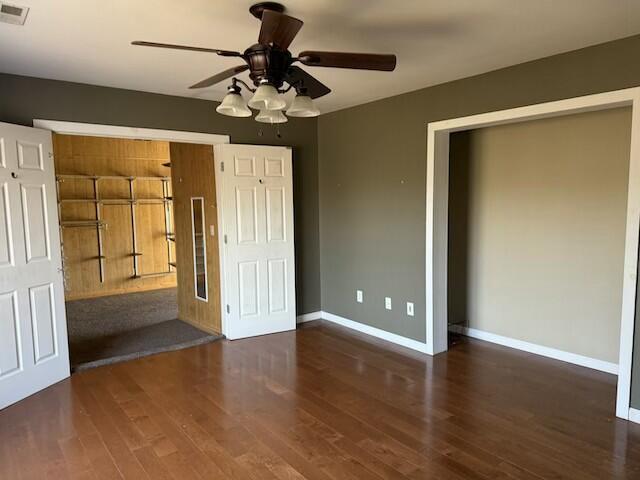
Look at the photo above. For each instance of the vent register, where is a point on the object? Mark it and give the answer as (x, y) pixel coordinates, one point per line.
(13, 14)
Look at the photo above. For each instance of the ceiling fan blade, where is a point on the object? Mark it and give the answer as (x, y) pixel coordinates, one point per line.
(278, 29)
(315, 88)
(360, 61)
(224, 53)
(219, 77)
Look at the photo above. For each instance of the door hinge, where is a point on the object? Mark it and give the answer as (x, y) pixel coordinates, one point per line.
(222, 166)
(225, 239)
(228, 308)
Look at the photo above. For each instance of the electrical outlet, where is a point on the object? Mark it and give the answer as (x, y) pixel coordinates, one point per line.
(359, 296)
(410, 309)
(387, 303)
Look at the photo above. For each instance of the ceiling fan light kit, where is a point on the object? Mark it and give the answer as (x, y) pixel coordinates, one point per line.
(233, 105)
(303, 106)
(271, 116)
(270, 66)
(267, 97)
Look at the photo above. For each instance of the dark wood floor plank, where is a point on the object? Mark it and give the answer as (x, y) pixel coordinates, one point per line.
(324, 403)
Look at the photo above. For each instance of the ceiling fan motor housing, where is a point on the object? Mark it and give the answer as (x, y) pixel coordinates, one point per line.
(268, 62)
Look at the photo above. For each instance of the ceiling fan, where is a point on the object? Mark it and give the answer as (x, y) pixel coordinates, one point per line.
(271, 66)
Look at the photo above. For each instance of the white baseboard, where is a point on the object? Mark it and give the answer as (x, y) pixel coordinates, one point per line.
(307, 317)
(634, 415)
(538, 349)
(375, 332)
(568, 357)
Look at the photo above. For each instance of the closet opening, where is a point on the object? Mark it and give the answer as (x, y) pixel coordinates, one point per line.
(140, 275)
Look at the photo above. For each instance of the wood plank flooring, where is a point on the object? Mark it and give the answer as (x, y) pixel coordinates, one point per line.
(323, 403)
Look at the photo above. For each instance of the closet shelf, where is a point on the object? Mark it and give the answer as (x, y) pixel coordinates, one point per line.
(82, 223)
(117, 201)
(155, 274)
(131, 201)
(110, 177)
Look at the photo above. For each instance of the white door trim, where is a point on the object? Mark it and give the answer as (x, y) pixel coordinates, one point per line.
(437, 186)
(97, 130)
(115, 131)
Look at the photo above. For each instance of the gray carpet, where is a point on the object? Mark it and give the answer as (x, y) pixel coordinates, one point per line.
(122, 327)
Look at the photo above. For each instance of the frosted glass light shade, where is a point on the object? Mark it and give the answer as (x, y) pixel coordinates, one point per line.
(233, 105)
(303, 106)
(267, 98)
(271, 116)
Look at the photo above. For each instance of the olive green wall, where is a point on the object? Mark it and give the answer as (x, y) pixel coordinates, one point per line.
(372, 176)
(537, 222)
(369, 161)
(23, 99)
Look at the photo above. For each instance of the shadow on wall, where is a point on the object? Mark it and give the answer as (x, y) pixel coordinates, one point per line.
(460, 166)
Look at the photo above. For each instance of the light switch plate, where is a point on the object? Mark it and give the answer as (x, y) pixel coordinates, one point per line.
(359, 296)
(387, 303)
(410, 309)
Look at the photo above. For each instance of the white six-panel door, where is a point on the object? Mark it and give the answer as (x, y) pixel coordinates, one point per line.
(255, 188)
(33, 328)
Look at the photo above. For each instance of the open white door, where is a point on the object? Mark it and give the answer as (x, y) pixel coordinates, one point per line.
(255, 191)
(33, 330)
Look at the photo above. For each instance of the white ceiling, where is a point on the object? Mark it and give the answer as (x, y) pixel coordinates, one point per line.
(436, 41)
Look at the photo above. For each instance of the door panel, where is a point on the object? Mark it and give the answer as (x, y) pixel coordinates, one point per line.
(249, 288)
(36, 228)
(30, 155)
(3, 156)
(245, 166)
(9, 338)
(43, 322)
(276, 224)
(246, 213)
(257, 223)
(6, 255)
(274, 167)
(33, 330)
(277, 285)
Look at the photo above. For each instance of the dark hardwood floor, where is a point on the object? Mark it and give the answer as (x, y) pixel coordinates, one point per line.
(323, 403)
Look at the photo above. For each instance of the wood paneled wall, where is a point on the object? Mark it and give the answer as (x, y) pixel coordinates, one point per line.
(193, 175)
(79, 155)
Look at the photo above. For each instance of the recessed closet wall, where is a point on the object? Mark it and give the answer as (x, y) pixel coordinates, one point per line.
(194, 181)
(537, 218)
(102, 254)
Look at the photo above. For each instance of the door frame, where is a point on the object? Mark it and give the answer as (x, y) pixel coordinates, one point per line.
(437, 198)
(135, 133)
